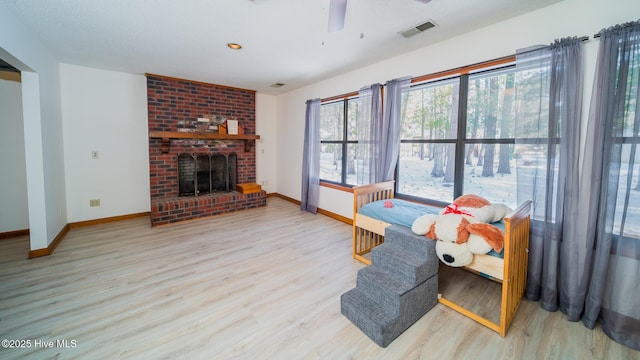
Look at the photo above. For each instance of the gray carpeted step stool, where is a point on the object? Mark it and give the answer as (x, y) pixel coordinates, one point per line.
(397, 289)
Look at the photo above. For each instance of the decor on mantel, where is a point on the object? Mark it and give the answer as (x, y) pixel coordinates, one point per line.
(235, 129)
(166, 137)
(219, 124)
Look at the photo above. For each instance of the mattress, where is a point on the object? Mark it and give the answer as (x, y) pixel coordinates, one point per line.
(401, 212)
(404, 213)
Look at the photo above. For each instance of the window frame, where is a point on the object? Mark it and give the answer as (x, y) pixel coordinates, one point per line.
(342, 184)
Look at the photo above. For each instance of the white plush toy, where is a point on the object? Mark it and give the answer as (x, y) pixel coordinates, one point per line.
(462, 230)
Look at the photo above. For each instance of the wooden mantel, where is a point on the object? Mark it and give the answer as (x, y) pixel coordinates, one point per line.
(166, 137)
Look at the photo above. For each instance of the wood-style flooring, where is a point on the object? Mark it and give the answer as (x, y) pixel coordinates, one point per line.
(257, 284)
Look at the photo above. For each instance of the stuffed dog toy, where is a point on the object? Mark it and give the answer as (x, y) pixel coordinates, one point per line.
(478, 208)
(461, 229)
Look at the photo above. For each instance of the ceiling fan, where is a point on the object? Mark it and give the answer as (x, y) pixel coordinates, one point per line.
(337, 11)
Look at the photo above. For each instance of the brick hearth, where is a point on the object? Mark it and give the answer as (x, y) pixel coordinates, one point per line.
(175, 105)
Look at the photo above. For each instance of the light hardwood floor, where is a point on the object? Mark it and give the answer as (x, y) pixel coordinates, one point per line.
(257, 284)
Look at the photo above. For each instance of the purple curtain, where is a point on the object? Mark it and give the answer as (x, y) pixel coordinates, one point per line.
(311, 158)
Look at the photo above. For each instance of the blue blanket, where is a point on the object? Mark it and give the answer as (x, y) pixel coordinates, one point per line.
(404, 213)
(401, 213)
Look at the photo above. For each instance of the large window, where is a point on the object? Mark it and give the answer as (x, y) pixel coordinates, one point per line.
(339, 161)
(428, 142)
(457, 138)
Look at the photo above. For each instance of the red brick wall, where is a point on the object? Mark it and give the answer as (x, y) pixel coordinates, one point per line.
(175, 105)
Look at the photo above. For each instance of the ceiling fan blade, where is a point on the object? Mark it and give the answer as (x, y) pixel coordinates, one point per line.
(337, 11)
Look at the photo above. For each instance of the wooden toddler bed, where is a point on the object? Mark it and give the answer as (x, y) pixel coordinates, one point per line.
(510, 271)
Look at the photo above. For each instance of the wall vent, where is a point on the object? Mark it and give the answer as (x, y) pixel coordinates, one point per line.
(418, 29)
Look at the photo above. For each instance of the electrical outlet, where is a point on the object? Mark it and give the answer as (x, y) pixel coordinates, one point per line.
(94, 202)
(95, 154)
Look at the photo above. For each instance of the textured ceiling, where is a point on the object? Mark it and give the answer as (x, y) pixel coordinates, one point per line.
(284, 41)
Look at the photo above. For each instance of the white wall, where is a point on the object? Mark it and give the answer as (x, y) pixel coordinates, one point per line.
(266, 147)
(42, 127)
(104, 111)
(14, 213)
(568, 18)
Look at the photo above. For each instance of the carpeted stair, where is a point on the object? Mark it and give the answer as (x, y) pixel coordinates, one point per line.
(399, 286)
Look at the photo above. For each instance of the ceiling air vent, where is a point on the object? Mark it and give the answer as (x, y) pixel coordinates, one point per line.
(418, 29)
(277, 85)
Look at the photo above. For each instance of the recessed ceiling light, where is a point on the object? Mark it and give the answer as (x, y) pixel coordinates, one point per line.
(234, 46)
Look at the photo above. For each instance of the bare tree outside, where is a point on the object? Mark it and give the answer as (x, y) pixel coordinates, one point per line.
(473, 118)
(490, 127)
(506, 121)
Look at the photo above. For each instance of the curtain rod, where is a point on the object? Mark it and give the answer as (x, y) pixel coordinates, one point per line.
(538, 47)
(422, 78)
(623, 25)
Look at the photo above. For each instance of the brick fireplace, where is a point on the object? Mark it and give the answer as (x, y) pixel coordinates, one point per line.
(174, 107)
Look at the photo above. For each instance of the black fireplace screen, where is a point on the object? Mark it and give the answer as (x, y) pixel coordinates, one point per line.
(206, 173)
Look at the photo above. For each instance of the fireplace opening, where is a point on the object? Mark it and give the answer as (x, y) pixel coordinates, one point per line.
(206, 173)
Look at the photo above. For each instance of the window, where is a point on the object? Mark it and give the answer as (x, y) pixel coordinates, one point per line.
(458, 137)
(428, 141)
(624, 163)
(339, 161)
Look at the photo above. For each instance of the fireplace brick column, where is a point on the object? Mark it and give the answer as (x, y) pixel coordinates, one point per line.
(175, 105)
